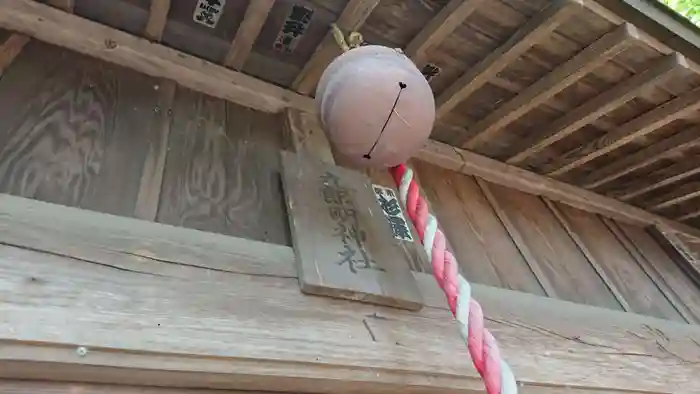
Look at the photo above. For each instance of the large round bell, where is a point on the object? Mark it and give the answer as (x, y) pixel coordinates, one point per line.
(376, 107)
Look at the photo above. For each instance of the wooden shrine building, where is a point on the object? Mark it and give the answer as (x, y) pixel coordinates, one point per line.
(161, 211)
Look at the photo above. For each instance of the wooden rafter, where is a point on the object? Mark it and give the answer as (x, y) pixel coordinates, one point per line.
(680, 171)
(47, 24)
(351, 19)
(598, 106)
(556, 81)
(93, 39)
(157, 17)
(637, 127)
(442, 25)
(669, 147)
(494, 171)
(676, 196)
(688, 216)
(253, 21)
(10, 49)
(65, 5)
(528, 35)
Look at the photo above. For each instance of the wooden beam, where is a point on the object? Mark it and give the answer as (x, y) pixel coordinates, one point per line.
(253, 21)
(513, 177)
(676, 196)
(9, 50)
(157, 18)
(440, 27)
(528, 35)
(351, 19)
(688, 216)
(556, 81)
(284, 339)
(669, 147)
(65, 5)
(598, 106)
(679, 171)
(638, 127)
(93, 39)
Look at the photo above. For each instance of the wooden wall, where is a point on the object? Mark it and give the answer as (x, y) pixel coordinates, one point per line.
(509, 239)
(84, 133)
(79, 132)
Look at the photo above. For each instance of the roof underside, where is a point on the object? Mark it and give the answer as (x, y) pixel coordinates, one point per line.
(562, 88)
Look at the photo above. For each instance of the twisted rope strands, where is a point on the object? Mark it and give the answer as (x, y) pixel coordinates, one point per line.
(483, 349)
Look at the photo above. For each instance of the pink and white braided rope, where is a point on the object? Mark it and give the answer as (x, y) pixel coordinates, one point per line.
(483, 349)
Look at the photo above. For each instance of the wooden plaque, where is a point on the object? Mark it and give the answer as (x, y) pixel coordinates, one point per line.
(343, 243)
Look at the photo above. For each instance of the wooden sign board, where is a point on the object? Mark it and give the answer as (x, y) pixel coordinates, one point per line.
(343, 243)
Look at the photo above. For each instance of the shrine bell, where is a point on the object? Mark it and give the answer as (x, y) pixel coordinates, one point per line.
(376, 107)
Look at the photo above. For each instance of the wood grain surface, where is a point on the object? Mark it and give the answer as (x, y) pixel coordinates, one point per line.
(222, 172)
(484, 249)
(73, 131)
(621, 269)
(343, 243)
(560, 260)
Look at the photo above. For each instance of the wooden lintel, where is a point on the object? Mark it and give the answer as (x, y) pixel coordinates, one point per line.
(639, 126)
(157, 17)
(442, 25)
(666, 148)
(494, 171)
(10, 49)
(73, 32)
(599, 106)
(556, 81)
(65, 5)
(253, 21)
(351, 19)
(88, 280)
(678, 172)
(676, 196)
(528, 35)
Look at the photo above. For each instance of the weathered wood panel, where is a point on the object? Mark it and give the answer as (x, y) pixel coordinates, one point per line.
(222, 172)
(622, 270)
(481, 244)
(36, 387)
(74, 131)
(565, 267)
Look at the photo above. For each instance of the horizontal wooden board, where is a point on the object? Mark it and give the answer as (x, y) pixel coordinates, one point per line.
(160, 329)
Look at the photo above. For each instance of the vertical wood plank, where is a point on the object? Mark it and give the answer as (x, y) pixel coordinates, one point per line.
(10, 49)
(518, 239)
(618, 265)
(157, 17)
(592, 257)
(221, 174)
(153, 168)
(678, 288)
(552, 250)
(481, 244)
(248, 31)
(344, 248)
